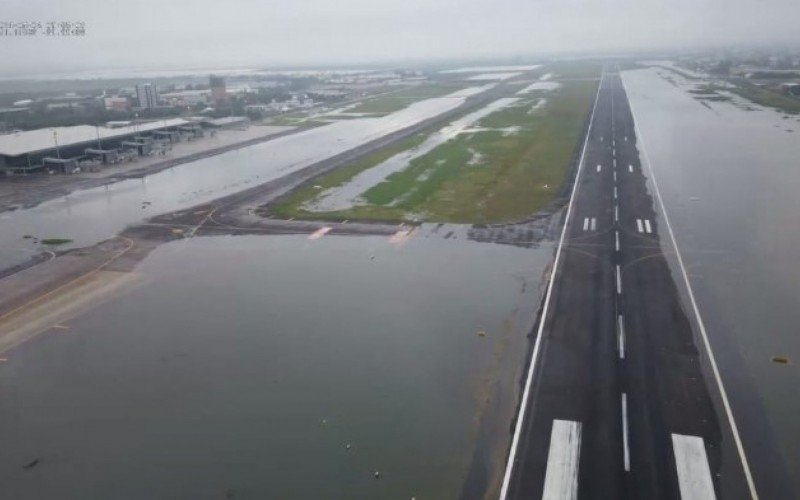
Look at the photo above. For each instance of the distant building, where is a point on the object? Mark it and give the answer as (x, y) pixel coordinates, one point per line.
(116, 103)
(187, 97)
(218, 92)
(147, 94)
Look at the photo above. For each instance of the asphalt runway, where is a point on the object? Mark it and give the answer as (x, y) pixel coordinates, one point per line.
(623, 399)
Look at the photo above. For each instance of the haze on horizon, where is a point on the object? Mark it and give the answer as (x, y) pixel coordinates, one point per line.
(180, 34)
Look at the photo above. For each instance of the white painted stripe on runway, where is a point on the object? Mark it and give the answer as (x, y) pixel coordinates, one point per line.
(620, 337)
(585, 223)
(615, 162)
(626, 138)
(619, 281)
(563, 460)
(615, 176)
(616, 213)
(694, 474)
(626, 454)
(701, 325)
(319, 233)
(594, 223)
(630, 168)
(639, 225)
(615, 192)
(599, 167)
(647, 226)
(616, 238)
(512, 452)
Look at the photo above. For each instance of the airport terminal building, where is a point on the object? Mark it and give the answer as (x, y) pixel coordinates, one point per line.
(68, 149)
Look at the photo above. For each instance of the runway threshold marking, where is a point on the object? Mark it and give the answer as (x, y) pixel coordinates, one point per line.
(620, 337)
(647, 226)
(319, 233)
(639, 226)
(626, 454)
(694, 474)
(524, 402)
(619, 281)
(589, 223)
(563, 460)
(594, 223)
(703, 333)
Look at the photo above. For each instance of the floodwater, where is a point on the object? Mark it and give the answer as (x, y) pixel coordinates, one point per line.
(244, 366)
(730, 182)
(348, 195)
(92, 215)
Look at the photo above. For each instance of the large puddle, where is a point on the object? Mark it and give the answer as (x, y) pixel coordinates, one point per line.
(730, 182)
(92, 215)
(279, 367)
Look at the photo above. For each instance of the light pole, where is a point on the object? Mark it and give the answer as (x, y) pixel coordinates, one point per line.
(55, 139)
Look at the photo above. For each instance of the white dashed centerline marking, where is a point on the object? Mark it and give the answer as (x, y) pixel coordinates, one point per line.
(615, 192)
(694, 475)
(626, 454)
(615, 162)
(630, 168)
(619, 281)
(620, 337)
(647, 226)
(563, 460)
(599, 167)
(616, 240)
(615, 176)
(616, 213)
(639, 225)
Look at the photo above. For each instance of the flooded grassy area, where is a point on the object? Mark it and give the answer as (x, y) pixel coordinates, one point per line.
(506, 167)
(394, 101)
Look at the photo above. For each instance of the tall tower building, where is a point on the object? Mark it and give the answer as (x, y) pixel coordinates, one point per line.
(218, 92)
(147, 94)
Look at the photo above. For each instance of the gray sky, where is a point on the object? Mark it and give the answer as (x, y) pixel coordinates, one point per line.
(164, 34)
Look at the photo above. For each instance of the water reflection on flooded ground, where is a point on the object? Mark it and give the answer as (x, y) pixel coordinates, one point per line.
(281, 367)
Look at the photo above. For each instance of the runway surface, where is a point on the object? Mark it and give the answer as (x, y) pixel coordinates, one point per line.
(623, 398)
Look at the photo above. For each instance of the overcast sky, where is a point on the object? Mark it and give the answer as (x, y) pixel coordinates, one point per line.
(164, 34)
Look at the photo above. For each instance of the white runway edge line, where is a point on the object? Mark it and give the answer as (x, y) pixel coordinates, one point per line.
(626, 453)
(694, 475)
(563, 461)
(701, 325)
(621, 337)
(512, 452)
